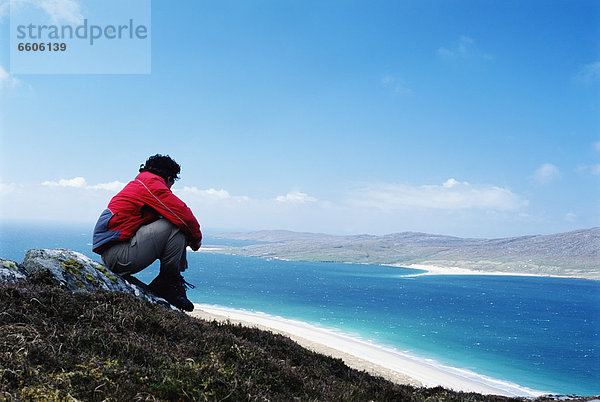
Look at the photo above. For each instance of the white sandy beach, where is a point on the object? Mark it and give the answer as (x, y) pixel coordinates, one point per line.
(397, 366)
(435, 270)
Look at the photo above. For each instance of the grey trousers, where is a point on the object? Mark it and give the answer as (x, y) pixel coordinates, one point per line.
(160, 240)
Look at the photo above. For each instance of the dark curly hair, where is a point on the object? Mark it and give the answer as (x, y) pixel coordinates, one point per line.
(162, 165)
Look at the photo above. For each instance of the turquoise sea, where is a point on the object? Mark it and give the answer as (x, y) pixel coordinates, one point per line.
(540, 333)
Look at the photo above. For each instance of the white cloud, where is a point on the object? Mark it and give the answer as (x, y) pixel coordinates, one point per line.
(546, 173)
(211, 193)
(295, 197)
(114, 186)
(452, 207)
(463, 48)
(589, 73)
(7, 80)
(220, 194)
(453, 183)
(451, 195)
(200, 196)
(78, 182)
(597, 146)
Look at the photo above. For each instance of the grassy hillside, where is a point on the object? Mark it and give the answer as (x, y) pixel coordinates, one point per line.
(56, 345)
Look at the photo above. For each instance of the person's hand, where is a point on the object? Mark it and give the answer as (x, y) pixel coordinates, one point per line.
(195, 244)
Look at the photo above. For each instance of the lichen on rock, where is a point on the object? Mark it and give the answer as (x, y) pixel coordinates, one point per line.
(72, 266)
(75, 271)
(11, 271)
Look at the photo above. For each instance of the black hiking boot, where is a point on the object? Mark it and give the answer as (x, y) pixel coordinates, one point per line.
(172, 289)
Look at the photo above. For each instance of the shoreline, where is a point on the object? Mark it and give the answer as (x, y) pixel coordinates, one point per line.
(389, 363)
(430, 269)
(437, 270)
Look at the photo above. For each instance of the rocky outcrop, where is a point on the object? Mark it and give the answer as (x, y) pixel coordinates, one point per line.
(76, 272)
(11, 271)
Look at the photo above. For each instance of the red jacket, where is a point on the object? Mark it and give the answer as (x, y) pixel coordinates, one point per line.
(143, 201)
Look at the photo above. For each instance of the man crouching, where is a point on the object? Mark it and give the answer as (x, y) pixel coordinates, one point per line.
(144, 222)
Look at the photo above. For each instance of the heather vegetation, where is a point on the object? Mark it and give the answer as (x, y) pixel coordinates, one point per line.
(59, 345)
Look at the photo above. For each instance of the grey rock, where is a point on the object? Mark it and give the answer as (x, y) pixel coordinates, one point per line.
(11, 271)
(82, 274)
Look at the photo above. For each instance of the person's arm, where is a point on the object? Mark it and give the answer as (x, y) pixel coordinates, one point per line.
(162, 199)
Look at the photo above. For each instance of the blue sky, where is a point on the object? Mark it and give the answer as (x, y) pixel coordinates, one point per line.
(468, 118)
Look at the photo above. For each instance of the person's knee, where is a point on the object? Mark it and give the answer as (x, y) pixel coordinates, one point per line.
(178, 238)
(161, 231)
(168, 236)
(163, 226)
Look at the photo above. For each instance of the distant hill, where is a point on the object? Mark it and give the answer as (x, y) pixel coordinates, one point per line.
(575, 253)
